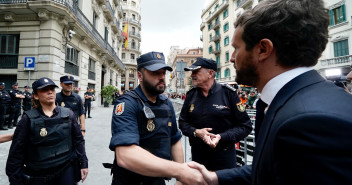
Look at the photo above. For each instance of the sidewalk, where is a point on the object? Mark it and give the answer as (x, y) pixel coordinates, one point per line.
(98, 133)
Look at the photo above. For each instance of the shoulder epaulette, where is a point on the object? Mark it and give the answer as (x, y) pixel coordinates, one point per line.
(229, 87)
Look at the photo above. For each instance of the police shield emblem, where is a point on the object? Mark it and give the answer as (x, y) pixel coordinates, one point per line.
(240, 107)
(43, 132)
(158, 55)
(150, 125)
(191, 108)
(120, 108)
(62, 104)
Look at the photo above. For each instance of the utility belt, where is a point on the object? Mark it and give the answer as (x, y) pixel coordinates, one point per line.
(117, 180)
(56, 172)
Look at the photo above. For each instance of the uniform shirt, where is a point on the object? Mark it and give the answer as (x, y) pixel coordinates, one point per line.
(27, 97)
(124, 127)
(5, 98)
(221, 110)
(88, 94)
(21, 137)
(13, 93)
(78, 102)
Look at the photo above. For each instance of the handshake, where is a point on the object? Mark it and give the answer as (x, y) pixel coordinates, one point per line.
(196, 174)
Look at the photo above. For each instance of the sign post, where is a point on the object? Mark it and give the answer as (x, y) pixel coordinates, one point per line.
(29, 65)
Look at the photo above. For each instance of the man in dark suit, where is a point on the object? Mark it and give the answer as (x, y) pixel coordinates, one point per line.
(305, 136)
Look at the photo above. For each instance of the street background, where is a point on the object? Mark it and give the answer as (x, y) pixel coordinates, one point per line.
(97, 137)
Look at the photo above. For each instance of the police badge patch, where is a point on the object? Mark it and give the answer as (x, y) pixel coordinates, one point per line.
(240, 107)
(120, 108)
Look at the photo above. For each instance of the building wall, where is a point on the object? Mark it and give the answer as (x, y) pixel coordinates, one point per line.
(43, 29)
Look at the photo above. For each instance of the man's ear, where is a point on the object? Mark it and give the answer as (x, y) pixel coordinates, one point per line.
(266, 48)
(139, 74)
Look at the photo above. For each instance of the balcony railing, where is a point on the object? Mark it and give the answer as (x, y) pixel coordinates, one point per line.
(217, 51)
(135, 34)
(9, 61)
(82, 19)
(201, 38)
(216, 38)
(216, 25)
(136, 22)
(241, 2)
(337, 60)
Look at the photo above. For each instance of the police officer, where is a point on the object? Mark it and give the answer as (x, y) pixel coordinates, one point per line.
(5, 100)
(69, 99)
(47, 147)
(15, 107)
(27, 101)
(88, 101)
(213, 118)
(145, 136)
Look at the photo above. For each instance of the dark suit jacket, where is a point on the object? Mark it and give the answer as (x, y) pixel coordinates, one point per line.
(306, 137)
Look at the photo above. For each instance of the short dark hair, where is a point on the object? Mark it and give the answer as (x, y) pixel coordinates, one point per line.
(298, 29)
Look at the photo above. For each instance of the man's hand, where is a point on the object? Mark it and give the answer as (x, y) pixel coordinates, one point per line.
(191, 176)
(214, 140)
(84, 173)
(210, 177)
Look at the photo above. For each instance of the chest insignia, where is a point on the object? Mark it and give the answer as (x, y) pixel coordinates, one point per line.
(220, 106)
(240, 107)
(62, 104)
(191, 108)
(150, 125)
(43, 132)
(120, 108)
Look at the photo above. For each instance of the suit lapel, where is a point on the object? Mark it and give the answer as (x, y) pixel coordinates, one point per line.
(285, 93)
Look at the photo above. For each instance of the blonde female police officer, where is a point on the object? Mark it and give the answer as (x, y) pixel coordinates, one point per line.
(47, 147)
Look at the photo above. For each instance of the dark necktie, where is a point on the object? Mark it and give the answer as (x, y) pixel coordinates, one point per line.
(259, 117)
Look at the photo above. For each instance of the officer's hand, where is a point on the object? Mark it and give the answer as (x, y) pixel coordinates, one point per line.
(214, 140)
(84, 173)
(191, 176)
(210, 177)
(83, 133)
(201, 133)
(178, 183)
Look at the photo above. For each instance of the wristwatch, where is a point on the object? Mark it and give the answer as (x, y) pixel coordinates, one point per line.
(83, 130)
(194, 133)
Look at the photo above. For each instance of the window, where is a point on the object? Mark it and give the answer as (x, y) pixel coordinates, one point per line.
(9, 47)
(217, 46)
(132, 56)
(123, 85)
(91, 69)
(210, 37)
(134, 30)
(131, 85)
(133, 17)
(106, 34)
(227, 55)
(124, 16)
(210, 26)
(71, 60)
(91, 86)
(210, 49)
(133, 44)
(133, 3)
(218, 74)
(225, 13)
(95, 20)
(226, 27)
(337, 15)
(111, 74)
(218, 61)
(226, 41)
(227, 72)
(123, 55)
(217, 32)
(131, 75)
(341, 48)
(192, 61)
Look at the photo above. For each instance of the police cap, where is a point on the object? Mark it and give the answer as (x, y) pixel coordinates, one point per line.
(42, 82)
(26, 86)
(14, 83)
(152, 61)
(2, 84)
(202, 62)
(67, 79)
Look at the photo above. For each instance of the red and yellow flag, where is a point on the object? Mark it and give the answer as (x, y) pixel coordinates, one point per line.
(125, 34)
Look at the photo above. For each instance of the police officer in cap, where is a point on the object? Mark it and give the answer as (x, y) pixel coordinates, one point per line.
(27, 101)
(145, 137)
(69, 99)
(15, 107)
(213, 118)
(88, 96)
(47, 147)
(5, 100)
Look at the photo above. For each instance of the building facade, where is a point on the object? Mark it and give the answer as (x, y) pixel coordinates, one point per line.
(179, 80)
(218, 27)
(132, 19)
(61, 37)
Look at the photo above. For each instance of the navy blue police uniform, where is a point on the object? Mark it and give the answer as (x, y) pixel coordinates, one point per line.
(222, 111)
(130, 126)
(73, 101)
(88, 103)
(5, 100)
(27, 101)
(46, 150)
(15, 107)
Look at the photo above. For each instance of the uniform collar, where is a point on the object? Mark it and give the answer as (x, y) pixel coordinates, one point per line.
(65, 95)
(214, 88)
(139, 91)
(55, 111)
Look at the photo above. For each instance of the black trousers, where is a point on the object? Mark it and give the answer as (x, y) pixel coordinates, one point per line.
(67, 178)
(87, 106)
(3, 108)
(14, 114)
(214, 159)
